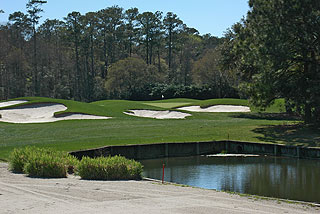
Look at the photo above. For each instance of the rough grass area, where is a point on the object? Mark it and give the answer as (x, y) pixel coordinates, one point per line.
(122, 129)
(110, 168)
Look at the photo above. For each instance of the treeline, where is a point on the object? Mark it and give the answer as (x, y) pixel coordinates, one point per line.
(276, 52)
(109, 54)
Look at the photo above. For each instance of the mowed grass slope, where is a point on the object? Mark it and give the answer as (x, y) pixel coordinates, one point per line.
(123, 129)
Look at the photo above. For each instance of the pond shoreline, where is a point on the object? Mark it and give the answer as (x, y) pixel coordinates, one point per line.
(266, 176)
(249, 196)
(21, 194)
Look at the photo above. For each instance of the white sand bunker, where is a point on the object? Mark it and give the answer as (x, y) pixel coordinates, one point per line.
(158, 114)
(217, 108)
(11, 103)
(40, 113)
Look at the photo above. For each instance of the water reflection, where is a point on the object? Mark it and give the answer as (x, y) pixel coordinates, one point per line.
(286, 178)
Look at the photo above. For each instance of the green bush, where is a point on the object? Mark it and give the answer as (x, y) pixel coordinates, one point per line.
(42, 162)
(45, 166)
(19, 157)
(46, 163)
(110, 168)
(70, 162)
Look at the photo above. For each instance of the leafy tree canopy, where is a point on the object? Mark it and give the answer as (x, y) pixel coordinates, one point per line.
(276, 51)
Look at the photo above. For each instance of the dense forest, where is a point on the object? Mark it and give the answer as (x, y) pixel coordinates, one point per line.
(276, 52)
(109, 54)
(273, 52)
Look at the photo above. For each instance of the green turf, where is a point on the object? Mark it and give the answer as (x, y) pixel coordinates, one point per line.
(167, 105)
(227, 101)
(124, 129)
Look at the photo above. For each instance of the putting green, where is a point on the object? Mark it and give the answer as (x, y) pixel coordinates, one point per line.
(166, 105)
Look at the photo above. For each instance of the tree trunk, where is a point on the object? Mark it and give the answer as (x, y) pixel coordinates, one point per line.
(170, 48)
(159, 63)
(307, 113)
(105, 71)
(151, 55)
(77, 92)
(147, 51)
(130, 46)
(307, 106)
(35, 64)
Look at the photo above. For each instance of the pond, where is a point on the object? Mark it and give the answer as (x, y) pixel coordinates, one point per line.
(279, 177)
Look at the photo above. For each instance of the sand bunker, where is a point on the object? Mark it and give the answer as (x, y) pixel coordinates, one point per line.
(11, 103)
(40, 113)
(217, 108)
(158, 114)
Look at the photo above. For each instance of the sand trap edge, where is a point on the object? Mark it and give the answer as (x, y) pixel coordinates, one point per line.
(32, 117)
(217, 109)
(11, 103)
(156, 114)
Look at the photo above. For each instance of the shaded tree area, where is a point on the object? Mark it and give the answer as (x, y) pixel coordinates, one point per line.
(108, 54)
(276, 52)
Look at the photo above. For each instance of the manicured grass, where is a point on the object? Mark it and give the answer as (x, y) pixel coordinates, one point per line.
(227, 101)
(278, 106)
(73, 106)
(167, 105)
(123, 129)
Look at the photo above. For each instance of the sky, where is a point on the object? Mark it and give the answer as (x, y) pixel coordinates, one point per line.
(207, 16)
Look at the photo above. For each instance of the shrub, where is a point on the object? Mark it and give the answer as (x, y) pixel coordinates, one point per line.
(19, 157)
(45, 166)
(110, 168)
(70, 162)
(42, 162)
(46, 163)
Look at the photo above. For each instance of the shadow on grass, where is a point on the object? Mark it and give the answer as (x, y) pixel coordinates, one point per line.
(294, 135)
(267, 116)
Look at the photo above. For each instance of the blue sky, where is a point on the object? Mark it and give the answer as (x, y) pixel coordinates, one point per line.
(207, 16)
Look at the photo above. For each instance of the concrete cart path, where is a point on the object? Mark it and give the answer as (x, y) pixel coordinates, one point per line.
(21, 194)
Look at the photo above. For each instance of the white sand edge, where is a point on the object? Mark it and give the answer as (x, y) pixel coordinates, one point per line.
(217, 108)
(158, 114)
(11, 103)
(41, 113)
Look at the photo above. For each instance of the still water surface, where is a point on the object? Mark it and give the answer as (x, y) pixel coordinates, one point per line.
(279, 177)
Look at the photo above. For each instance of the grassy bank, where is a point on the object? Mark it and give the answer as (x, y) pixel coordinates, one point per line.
(123, 129)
